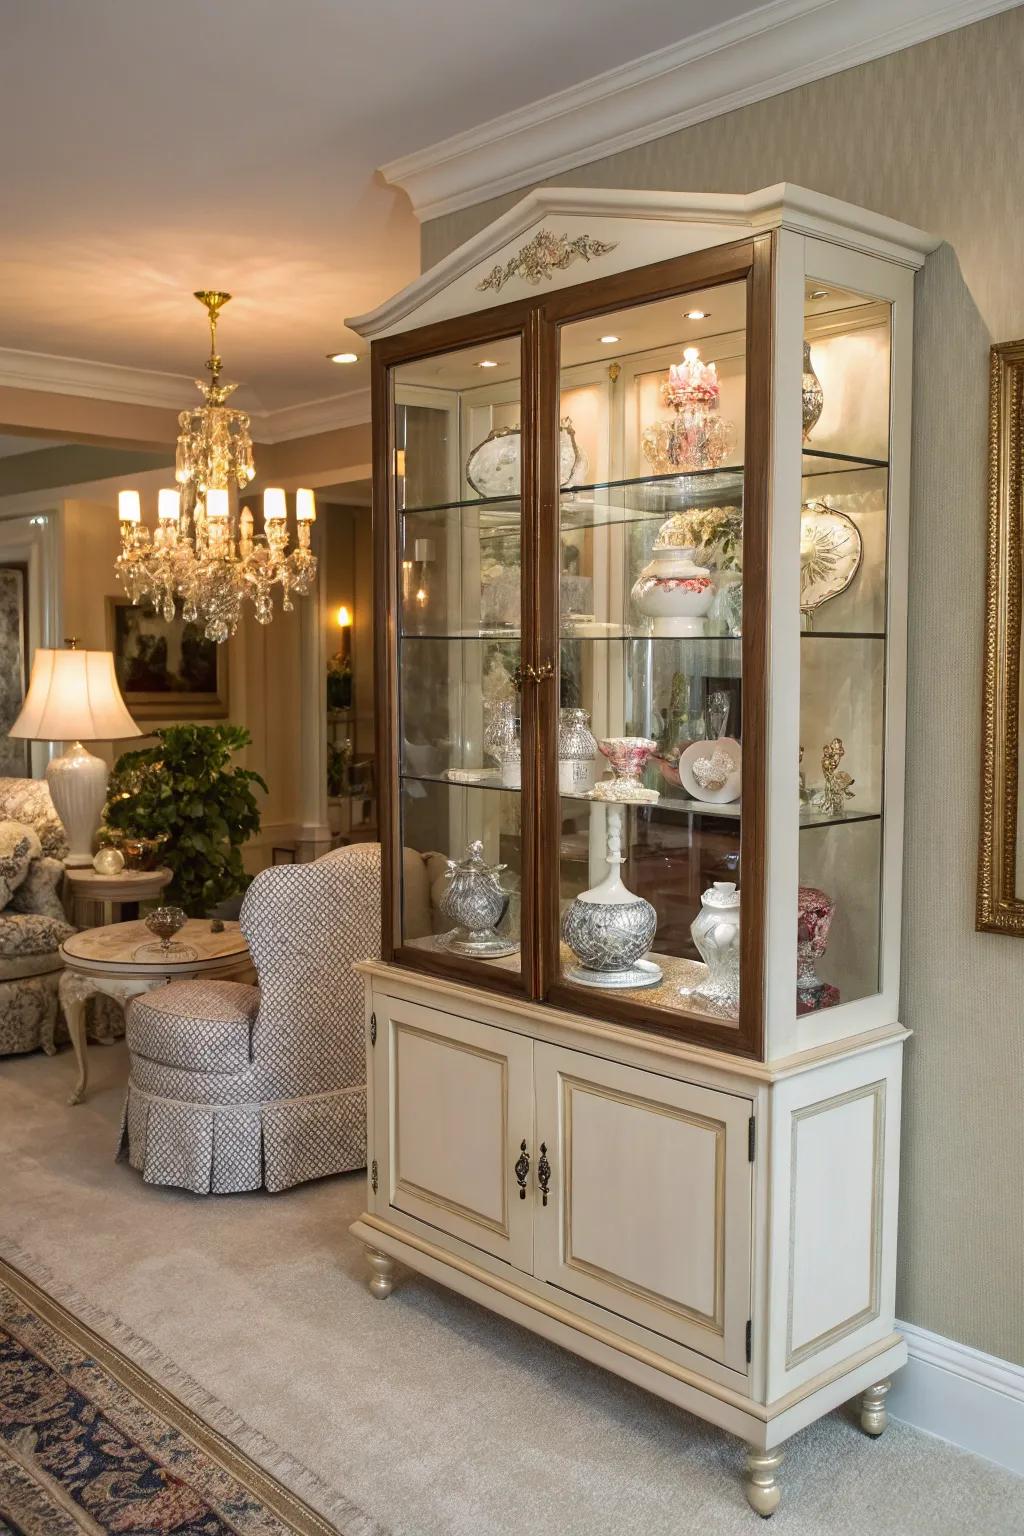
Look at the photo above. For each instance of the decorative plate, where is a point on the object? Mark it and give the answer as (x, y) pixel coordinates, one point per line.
(704, 774)
(493, 469)
(831, 550)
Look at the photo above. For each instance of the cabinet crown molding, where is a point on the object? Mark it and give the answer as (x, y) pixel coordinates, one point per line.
(640, 226)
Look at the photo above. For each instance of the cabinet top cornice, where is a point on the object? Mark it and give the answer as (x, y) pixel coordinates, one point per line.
(626, 221)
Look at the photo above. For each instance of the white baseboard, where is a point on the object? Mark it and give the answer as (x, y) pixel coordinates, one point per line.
(972, 1399)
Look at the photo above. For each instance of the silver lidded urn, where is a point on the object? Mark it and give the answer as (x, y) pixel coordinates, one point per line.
(716, 932)
(473, 899)
(609, 929)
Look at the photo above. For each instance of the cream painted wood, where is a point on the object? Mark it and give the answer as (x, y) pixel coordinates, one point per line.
(819, 1232)
(649, 1213)
(645, 226)
(835, 1186)
(459, 1105)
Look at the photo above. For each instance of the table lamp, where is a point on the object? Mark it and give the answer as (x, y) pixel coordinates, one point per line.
(73, 696)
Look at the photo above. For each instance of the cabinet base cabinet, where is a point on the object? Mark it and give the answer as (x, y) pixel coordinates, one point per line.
(719, 1232)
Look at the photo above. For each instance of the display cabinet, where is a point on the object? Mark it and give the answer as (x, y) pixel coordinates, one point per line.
(641, 487)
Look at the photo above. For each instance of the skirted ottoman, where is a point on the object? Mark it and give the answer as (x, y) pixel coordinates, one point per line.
(235, 1087)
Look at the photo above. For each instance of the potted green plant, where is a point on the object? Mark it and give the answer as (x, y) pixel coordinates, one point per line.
(184, 789)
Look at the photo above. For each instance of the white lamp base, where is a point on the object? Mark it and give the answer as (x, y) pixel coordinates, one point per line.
(78, 789)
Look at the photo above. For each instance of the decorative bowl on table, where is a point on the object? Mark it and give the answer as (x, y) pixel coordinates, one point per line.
(164, 923)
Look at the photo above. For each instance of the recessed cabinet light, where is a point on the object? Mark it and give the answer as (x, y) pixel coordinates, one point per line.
(698, 314)
(609, 341)
(487, 362)
(343, 357)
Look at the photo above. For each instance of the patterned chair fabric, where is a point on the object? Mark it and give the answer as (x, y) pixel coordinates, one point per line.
(237, 1088)
(28, 801)
(32, 927)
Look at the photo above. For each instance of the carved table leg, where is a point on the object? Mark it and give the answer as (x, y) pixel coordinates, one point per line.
(761, 1487)
(73, 998)
(873, 1415)
(382, 1278)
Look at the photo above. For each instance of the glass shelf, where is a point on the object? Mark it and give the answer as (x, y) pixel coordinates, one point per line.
(661, 493)
(675, 804)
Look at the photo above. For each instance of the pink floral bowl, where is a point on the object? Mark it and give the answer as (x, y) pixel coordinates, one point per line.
(628, 755)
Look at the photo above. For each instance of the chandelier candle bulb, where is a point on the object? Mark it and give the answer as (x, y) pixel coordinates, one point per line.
(216, 504)
(275, 506)
(129, 509)
(168, 506)
(305, 506)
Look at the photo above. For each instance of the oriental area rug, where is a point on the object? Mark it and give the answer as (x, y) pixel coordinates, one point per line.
(90, 1444)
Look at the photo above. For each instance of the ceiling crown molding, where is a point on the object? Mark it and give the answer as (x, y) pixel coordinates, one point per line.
(97, 381)
(291, 421)
(174, 391)
(779, 46)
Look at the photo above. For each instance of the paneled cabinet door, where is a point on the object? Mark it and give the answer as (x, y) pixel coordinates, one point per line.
(460, 1103)
(649, 1205)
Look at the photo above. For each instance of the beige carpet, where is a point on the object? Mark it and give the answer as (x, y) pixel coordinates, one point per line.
(422, 1415)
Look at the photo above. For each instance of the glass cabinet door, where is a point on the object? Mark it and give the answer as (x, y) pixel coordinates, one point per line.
(844, 537)
(652, 721)
(461, 814)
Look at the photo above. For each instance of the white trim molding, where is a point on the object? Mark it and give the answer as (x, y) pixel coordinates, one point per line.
(974, 1400)
(120, 385)
(722, 215)
(772, 49)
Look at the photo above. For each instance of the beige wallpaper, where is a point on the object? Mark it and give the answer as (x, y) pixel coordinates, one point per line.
(932, 136)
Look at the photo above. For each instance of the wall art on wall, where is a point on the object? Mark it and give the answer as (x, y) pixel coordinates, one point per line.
(166, 671)
(14, 755)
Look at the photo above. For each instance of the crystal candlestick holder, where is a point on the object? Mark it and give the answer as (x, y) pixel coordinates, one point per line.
(629, 756)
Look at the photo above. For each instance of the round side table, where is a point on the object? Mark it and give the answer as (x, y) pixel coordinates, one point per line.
(104, 960)
(116, 896)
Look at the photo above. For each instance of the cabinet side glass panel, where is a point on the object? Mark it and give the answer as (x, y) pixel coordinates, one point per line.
(843, 595)
(650, 653)
(457, 492)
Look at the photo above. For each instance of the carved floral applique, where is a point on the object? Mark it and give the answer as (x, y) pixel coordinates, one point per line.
(545, 254)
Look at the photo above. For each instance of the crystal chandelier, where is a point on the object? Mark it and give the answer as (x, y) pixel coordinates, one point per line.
(203, 549)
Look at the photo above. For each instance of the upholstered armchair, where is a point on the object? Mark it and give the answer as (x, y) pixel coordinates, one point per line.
(235, 1087)
(32, 922)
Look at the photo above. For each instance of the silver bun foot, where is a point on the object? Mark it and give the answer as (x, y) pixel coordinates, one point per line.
(382, 1278)
(761, 1485)
(873, 1414)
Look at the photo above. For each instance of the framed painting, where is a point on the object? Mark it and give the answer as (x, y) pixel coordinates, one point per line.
(14, 755)
(166, 671)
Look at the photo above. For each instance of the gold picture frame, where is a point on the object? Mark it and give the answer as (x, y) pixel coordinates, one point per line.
(166, 671)
(1000, 909)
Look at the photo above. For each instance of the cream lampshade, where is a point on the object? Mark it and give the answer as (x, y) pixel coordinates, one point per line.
(73, 696)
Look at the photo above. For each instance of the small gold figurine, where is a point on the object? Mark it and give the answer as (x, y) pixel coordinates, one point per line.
(831, 798)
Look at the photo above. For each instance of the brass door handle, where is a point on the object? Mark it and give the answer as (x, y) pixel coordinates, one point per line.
(522, 1169)
(542, 673)
(543, 1173)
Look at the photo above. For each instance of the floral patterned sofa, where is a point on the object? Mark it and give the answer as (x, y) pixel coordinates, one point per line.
(32, 921)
